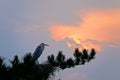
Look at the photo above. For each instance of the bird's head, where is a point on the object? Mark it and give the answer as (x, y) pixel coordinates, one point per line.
(44, 44)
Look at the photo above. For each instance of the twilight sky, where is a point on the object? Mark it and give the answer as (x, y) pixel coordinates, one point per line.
(64, 25)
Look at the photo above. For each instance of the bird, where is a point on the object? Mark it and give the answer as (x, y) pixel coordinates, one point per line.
(38, 51)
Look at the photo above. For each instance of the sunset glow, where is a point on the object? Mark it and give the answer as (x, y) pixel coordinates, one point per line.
(96, 27)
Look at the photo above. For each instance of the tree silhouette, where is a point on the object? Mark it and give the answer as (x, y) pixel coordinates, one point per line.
(80, 59)
(28, 69)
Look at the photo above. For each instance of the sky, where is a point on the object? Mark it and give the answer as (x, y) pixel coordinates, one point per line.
(64, 25)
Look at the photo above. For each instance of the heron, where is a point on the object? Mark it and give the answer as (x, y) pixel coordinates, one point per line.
(38, 51)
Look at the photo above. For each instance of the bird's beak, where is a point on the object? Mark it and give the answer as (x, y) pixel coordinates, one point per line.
(46, 45)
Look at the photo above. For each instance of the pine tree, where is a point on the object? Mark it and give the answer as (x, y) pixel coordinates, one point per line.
(28, 69)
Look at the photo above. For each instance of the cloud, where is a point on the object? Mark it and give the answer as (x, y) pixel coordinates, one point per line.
(96, 28)
(27, 28)
(75, 76)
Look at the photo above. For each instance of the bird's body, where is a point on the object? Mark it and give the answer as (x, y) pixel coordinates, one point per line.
(38, 51)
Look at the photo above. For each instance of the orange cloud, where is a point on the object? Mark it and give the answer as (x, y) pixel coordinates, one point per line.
(96, 27)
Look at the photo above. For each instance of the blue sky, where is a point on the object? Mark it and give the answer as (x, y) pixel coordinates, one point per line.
(25, 24)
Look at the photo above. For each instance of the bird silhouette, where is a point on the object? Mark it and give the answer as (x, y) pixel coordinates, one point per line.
(38, 51)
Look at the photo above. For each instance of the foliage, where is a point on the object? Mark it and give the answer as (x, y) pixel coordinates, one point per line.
(80, 58)
(28, 69)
